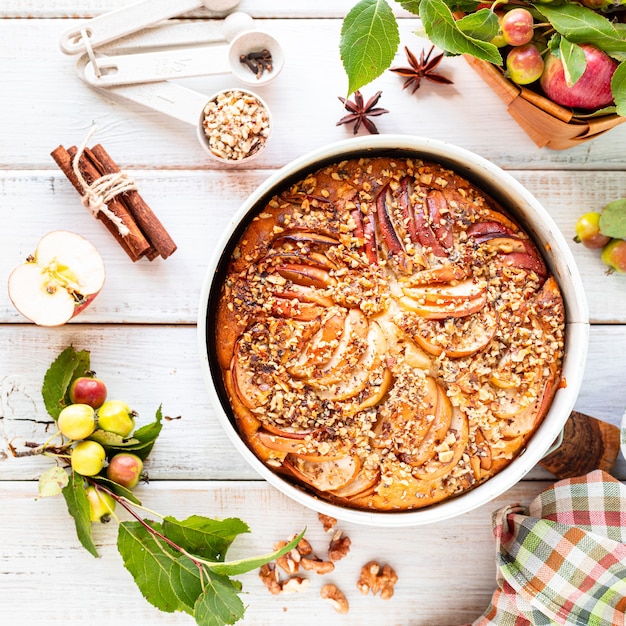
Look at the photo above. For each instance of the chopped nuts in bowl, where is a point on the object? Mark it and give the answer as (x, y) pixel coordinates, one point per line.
(235, 125)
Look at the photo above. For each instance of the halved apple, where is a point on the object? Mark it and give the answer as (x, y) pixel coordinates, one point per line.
(59, 280)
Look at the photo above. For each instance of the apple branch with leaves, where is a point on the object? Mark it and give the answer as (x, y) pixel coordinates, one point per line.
(178, 565)
(370, 36)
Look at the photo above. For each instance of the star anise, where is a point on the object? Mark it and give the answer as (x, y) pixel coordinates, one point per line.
(361, 111)
(421, 68)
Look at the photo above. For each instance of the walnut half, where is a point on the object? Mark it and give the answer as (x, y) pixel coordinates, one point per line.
(335, 597)
(374, 578)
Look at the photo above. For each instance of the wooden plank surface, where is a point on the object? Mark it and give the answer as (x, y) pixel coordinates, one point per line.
(446, 571)
(57, 107)
(142, 335)
(197, 206)
(147, 365)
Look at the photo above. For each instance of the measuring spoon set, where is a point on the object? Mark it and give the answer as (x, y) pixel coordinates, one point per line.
(132, 54)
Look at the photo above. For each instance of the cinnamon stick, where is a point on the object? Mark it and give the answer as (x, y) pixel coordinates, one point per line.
(143, 214)
(134, 244)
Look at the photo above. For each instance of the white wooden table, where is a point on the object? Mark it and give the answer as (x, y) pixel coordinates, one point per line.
(141, 330)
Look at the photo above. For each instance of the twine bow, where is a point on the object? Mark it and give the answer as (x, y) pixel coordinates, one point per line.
(97, 195)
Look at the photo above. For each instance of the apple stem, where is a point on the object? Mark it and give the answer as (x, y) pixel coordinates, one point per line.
(126, 504)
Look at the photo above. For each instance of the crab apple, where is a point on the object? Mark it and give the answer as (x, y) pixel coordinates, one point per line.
(517, 27)
(77, 421)
(116, 417)
(59, 280)
(87, 457)
(101, 504)
(88, 390)
(614, 255)
(591, 91)
(588, 231)
(524, 64)
(125, 469)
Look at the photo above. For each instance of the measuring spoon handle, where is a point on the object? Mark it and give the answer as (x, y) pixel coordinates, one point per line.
(126, 69)
(164, 97)
(127, 20)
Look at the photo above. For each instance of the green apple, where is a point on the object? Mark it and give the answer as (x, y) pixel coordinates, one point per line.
(87, 457)
(77, 421)
(116, 417)
(101, 504)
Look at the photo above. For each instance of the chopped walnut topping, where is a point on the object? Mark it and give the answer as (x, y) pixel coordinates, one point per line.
(236, 125)
(335, 597)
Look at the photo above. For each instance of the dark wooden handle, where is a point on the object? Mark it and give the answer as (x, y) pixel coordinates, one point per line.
(588, 444)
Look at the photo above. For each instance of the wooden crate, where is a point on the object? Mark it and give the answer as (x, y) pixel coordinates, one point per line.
(545, 122)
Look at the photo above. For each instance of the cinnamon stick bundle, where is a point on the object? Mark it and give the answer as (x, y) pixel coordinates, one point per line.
(144, 235)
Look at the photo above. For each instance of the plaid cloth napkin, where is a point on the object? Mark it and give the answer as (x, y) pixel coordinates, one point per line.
(562, 560)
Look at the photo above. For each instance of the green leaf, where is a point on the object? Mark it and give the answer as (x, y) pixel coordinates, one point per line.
(443, 30)
(147, 435)
(369, 42)
(618, 87)
(69, 365)
(218, 604)
(78, 507)
(204, 537)
(166, 579)
(613, 219)
(241, 566)
(141, 442)
(483, 24)
(574, 60)
(581, 25)
(412, 6)
(117, 489)
(52, 481)
(111, 440)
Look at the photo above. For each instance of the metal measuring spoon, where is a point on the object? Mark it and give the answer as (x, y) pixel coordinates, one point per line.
(126, 69)
(127, 20)
(171, 99)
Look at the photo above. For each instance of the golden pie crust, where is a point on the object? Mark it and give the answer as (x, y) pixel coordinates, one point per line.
(388, 336)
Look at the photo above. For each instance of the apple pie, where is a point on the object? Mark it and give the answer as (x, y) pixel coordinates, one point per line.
(388, 335)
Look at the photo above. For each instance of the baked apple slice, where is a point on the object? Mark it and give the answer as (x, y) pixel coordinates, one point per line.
(460, 307)
(320, 348)
(352, 345)
(324, 475)
(447, 294)
(457, 337)
(449, 452)
(360, 374)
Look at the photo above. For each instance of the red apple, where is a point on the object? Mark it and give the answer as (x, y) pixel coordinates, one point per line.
(59, 280)
(591, 91)
(88, 390)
